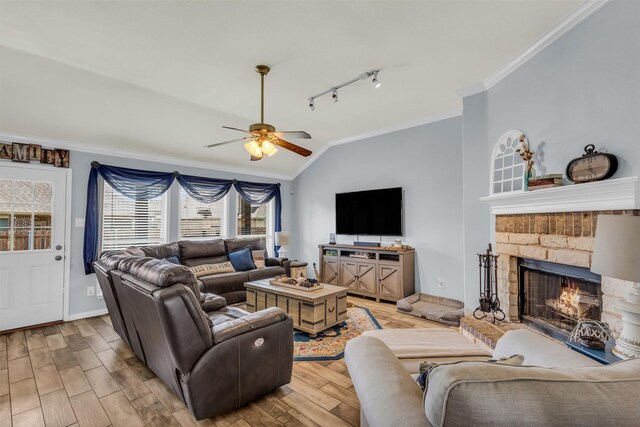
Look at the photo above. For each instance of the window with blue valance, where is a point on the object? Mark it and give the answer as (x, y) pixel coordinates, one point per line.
(146, 185)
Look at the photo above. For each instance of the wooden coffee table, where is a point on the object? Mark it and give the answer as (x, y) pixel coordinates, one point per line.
(312, 311)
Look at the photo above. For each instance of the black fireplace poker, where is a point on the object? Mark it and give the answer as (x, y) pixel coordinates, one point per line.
(488, 280)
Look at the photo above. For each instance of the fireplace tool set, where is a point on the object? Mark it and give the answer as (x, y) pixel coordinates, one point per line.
(488, 275)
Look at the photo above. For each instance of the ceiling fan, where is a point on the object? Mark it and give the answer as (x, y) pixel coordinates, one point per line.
(263, 138)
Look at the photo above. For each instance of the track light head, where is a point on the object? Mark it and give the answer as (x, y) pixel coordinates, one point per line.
(312, 104)
(375, 80)
(334, 95)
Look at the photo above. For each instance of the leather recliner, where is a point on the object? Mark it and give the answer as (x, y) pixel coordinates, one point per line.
(214, 362)
(106, 270)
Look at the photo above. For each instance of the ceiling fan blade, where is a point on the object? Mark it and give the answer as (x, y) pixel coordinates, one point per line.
(241, 130)
(226, 142)
(293, 147)
(255, 159)
(294, 134)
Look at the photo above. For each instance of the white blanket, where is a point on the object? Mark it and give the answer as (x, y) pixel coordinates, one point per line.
(435, 342)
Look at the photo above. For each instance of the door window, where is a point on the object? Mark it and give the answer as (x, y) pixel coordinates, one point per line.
(25, 215)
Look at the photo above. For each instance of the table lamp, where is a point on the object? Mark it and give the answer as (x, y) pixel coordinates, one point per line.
(616, 253)
(282, 240)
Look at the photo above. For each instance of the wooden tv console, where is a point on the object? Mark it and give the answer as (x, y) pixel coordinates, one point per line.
(389, 275)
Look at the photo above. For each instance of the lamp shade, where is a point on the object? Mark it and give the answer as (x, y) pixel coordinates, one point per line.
(282, 238)
(617, 247)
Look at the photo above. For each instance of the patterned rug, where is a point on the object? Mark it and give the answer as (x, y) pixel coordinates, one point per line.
(329, 344)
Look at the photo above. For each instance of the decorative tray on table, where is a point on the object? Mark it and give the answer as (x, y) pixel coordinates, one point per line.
(300, 284)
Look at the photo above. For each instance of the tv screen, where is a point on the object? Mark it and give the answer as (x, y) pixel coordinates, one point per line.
(373, 212)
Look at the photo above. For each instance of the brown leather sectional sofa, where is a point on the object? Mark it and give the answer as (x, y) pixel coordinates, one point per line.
(198, 252)
(214, 357)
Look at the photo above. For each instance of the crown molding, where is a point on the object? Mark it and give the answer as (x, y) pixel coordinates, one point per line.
(100, 150)
(586, 9)
(377, 132)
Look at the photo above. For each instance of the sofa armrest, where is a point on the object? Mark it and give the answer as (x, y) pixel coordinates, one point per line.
(212, 302)
(388, 395)
(275, 262)
(250, 322)
(279, 262)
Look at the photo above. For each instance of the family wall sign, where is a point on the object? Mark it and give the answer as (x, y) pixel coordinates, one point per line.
(24, 153)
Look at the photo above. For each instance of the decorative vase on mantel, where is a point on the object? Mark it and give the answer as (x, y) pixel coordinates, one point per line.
(525, 151)
(528, 175)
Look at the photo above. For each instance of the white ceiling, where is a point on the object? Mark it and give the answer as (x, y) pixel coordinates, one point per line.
(161, 78)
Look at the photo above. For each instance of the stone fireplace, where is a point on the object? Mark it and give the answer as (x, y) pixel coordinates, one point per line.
(563, 239)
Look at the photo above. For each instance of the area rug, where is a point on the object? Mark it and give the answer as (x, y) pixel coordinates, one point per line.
(329, 344)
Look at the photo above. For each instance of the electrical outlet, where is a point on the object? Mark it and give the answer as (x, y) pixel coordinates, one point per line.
(91, 291)
(440, 282)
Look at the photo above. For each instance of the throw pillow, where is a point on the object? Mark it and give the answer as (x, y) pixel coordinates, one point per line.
(207, 269)
(427, 367)
(258, 258)
(242, 259)
(173, 259)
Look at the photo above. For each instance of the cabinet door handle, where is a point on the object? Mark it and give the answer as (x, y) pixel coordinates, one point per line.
(331, 310)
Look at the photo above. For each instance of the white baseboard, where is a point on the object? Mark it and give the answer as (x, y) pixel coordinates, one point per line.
(84, 315)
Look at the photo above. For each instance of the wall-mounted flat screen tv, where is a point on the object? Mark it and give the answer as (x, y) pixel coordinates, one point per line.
(373, 212)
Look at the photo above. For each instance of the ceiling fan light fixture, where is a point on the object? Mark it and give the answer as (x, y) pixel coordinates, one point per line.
(253, 148)
(268, 148)
(263, 139)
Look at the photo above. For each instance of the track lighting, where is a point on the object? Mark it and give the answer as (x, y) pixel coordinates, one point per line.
(334, 90)
(375, 80)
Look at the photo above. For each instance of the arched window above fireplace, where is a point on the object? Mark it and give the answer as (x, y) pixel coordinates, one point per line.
(507, 167)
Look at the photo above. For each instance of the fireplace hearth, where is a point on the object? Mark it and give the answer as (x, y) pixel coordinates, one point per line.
(554, 297)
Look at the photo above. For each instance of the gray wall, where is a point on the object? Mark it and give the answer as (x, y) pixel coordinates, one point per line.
(425, 162)
(475, 166)
(79, 302)
(584, 88)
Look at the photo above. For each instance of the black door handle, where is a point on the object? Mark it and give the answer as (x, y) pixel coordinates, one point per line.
(58, 258)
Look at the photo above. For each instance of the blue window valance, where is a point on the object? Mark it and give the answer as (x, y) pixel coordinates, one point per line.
(205, 190)
(146, 185)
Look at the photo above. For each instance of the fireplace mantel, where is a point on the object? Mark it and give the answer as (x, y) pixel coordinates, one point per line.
(613, 194)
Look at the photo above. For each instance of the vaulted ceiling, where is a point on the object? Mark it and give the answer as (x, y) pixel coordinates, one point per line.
(161, 78)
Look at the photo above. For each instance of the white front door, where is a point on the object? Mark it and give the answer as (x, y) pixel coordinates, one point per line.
(32, 242)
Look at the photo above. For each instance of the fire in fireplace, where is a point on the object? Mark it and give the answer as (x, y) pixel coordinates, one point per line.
(553, 297)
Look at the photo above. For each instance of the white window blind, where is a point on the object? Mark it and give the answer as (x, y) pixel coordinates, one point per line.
(255, 220)
(127, 222)
(201, 220)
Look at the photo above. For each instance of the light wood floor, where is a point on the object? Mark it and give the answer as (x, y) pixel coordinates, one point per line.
(81, 373)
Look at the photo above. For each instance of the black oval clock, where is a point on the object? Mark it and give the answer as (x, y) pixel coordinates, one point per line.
(592, 166)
